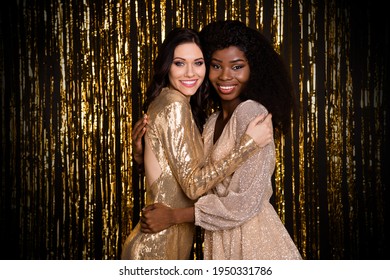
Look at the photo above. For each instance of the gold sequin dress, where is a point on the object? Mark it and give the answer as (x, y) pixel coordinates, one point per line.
(239, 221)
(177, 144)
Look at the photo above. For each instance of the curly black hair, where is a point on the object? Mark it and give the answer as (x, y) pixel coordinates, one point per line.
(269, 83)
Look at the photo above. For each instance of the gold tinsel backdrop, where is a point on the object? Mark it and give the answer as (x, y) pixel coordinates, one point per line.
(73, 75)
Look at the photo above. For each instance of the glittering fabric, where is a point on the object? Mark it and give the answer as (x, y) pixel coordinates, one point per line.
(178, 148)
(239, 220)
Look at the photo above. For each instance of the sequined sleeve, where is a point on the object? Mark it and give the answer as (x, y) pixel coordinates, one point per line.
(248, 188)
(184, 151)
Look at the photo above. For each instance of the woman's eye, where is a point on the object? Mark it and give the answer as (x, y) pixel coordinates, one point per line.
(215, 66)
(237, 67)
(178, 63)
(199, 63)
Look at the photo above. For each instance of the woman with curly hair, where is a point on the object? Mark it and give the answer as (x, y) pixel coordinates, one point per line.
(248, 78)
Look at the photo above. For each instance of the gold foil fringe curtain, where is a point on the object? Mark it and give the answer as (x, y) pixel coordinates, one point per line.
(73, 75)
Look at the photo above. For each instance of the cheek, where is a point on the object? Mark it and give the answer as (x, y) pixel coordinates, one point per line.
(174, 73)
(243, 78)
(173, 79)
(171, 74)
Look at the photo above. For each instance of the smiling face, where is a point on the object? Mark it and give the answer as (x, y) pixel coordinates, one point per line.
(188, 69)
(229, 73)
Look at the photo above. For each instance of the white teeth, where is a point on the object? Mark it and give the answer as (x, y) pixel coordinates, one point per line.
(226, 87)
(190, 83)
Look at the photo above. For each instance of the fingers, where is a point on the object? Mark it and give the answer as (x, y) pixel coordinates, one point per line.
(138, 131)
(262, 118)
(261, 129)
(148, 208)
(258, 119)
(268, 119)
(153, 218)
(139, 128)
(145, 227)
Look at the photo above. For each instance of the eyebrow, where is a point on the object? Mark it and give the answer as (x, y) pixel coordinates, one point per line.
(231, 61)
(196, 59)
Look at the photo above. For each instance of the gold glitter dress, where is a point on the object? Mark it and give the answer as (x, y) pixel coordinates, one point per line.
(239, 221)
(178, 148)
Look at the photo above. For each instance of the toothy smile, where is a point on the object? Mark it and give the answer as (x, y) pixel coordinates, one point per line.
(226, 89)
(189, 83)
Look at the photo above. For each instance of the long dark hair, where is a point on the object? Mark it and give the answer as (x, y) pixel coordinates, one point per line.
(269, 83)
(162, 66)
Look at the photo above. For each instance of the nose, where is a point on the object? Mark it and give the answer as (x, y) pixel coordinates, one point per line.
(190, 71)
(225, 74)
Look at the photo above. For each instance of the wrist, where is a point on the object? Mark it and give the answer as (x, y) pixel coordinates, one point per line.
(183, 215)
(176, 217)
